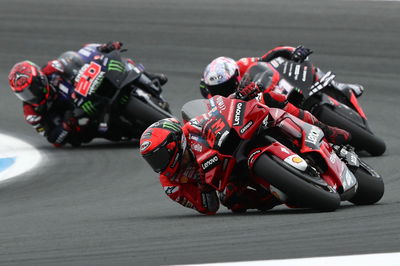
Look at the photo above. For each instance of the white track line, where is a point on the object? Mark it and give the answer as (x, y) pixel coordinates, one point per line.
(386, 259)
(25, 155)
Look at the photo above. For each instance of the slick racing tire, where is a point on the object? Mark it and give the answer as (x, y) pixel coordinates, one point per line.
(361, 138)
(370, 188)
(142, 114)
(299, 191)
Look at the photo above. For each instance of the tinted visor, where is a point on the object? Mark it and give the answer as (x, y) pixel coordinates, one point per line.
(224, 89)
(36, 92)
(159, 159)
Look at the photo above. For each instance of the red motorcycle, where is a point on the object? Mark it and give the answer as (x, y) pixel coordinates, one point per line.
(279, 153)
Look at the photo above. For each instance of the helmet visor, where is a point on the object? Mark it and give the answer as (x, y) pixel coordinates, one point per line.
(27, 96)
(225, 88)
(158, 159)
(36, 92)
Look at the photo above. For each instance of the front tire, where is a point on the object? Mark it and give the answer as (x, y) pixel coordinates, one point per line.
(142, 114)
(370, 188)
(299, 191)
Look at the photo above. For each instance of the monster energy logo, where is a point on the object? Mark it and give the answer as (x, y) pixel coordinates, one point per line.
(124, 99)
(88, 107)
(116, 66)
(171, 126)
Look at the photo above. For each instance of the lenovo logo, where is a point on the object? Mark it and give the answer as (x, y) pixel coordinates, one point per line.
(238, 114)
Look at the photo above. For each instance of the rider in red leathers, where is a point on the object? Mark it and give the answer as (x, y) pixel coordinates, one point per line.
(175, 152)
(223, 76)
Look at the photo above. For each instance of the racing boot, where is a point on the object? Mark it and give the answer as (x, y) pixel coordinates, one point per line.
(161, 78)
(356, 88)
(333, 134)
(238, 198)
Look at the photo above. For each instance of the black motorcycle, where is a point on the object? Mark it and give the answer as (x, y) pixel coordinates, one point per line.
(115, 98)
(332, 105)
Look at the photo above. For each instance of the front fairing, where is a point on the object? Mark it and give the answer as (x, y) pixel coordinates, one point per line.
(223, 123)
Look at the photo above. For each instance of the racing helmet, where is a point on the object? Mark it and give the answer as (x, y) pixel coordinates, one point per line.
(29, 83)
(221, 76)
(162, 145)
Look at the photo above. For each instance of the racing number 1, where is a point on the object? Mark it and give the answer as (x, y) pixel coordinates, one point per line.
(86, 78)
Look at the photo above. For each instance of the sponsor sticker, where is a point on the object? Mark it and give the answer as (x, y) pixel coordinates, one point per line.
(210, 163)
(313, 135)
(145, 145)
(246, 127)
(238, 118)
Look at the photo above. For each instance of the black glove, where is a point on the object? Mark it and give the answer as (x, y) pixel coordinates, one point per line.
(301, 53)
(248, 91)
(110, 46)
(69, 123)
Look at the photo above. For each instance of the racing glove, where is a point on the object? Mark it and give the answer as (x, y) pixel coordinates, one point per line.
(300, 53)
(110, 46)
(209, 198)
(248, 91)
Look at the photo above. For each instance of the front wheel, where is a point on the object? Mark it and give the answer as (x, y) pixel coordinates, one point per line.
(370, 187)
(142, 114)
(299, 191)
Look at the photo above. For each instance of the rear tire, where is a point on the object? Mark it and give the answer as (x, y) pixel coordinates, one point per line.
(361, 138)
(370, 188)
(299, 191)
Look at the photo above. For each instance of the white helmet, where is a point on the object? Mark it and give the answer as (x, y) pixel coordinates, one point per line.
(221, 76)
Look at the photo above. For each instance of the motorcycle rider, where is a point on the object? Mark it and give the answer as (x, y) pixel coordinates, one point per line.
(298, 54)
(170, 149)
(44, 107)
(223, 76)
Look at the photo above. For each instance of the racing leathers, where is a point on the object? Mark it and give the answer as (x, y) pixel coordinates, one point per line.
(277, 100)
(57, 118)
(188, 188)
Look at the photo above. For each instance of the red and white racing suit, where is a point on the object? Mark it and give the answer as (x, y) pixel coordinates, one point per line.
(188, 188)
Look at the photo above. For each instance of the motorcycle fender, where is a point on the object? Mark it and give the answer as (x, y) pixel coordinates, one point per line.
(328, 100)
(348, 179)
(356, 105)
(280, 151)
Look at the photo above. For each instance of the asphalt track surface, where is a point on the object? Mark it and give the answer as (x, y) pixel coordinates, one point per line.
(101, 205)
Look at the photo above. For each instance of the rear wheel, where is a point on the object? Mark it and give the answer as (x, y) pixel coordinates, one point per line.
(370, 188)
(361, 138)
(298, 190)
